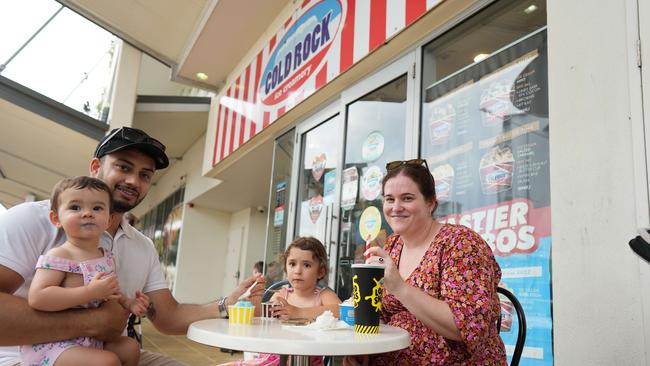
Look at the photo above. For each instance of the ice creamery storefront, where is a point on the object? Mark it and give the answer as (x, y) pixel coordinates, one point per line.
(342, 87)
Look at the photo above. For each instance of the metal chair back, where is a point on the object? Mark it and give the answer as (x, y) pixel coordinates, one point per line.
(521, 331)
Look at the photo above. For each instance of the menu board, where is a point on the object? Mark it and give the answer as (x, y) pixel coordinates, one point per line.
(485, 137)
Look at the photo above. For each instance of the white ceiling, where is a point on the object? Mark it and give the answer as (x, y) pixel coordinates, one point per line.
(245, 184)
(36, 152)
(190, 36)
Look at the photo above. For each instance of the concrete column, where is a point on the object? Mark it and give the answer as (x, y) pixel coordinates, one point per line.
(125, 85)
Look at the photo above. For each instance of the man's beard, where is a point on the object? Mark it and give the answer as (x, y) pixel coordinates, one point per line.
(122, 207)
(119, 206)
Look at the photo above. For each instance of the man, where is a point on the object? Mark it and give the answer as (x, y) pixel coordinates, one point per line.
(126, 160)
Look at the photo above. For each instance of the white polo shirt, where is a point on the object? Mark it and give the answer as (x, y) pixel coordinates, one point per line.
(26, 232)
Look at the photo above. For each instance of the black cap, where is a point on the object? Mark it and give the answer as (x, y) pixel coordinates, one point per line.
(127, 138)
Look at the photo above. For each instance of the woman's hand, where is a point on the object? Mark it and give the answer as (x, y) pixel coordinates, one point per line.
(284, 310)
(355, 361)
(393, 281)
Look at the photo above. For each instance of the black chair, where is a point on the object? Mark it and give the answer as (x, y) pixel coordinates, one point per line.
(272, 289)
(521, 332)
(641, 244)
(131, 330)
(268, 294)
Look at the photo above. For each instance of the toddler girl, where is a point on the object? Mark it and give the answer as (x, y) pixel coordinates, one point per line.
(305, 263)
(80, 274)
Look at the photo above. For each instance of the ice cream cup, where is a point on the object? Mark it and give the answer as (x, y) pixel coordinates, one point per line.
(241, 313)
(346, 313)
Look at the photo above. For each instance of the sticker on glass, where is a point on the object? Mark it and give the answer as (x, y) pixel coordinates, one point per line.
(372, 147)
(330, 183)
(315, 208)
(318, 166)
(371, 183)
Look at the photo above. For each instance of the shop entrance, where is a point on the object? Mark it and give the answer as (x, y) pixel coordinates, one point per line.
(378, 129)
(317, 172)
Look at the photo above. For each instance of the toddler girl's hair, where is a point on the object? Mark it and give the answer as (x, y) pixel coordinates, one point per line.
(81, 182)
(314, 246)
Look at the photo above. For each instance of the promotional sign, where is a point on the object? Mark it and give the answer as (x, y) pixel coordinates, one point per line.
(321, 40)
(370, 223)
(301, 51)
(350, 188)
(485, 137)
(278, 216)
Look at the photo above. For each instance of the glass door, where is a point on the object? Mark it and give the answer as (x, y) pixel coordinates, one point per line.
(377, 129)
(317, 177)
(276, 235)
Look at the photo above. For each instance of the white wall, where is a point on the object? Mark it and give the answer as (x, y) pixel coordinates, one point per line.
(201, 260)
(254, 251)
(246, 237)
(598, 309)
(186, 171)
(237, 237)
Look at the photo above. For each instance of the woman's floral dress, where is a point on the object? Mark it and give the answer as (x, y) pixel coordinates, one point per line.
(458, 268)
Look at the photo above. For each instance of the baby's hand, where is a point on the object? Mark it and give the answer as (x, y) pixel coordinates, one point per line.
(140, 304)
(101, 288)
(284, 310)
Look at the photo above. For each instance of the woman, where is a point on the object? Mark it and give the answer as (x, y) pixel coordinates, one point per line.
(440, 280)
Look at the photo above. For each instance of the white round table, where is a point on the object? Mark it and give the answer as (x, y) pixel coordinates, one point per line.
(270, 336)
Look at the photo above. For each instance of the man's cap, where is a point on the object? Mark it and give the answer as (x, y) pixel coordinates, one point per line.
(127, 138)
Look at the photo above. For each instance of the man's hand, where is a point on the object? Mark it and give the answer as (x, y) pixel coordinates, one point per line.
(108, 321)
(255, 293)
(101, 287)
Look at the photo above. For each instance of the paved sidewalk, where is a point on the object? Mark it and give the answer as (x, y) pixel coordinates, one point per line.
(182, 349)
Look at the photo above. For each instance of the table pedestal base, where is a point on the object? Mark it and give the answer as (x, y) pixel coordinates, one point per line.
(300, 360)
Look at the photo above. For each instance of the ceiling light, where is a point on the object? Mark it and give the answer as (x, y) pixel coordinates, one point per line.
(201, 76)
(480, 57)
(530, 9)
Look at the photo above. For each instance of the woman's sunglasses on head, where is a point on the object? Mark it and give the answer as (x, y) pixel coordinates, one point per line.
(413, 162)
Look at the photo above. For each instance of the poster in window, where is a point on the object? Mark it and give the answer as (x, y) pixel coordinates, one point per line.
(486, 138)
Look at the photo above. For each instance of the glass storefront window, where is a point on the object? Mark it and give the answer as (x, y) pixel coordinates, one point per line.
(317, 179)
(276, 236)
(163, 226)
(374, 136)
(484, 132)
(70, 60)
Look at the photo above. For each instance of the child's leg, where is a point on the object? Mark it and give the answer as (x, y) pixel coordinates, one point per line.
(84, 356)
(127, 349)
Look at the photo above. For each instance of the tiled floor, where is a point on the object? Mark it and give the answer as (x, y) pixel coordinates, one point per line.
(182, 349)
